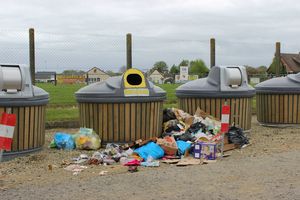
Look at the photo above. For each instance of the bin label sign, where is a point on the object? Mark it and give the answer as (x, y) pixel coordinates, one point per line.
(7, 126)
(136, 92)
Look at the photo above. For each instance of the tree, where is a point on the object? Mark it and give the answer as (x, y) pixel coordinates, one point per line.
(251, 70)
(73, 72)
(174, 70)
(184, 63)
(198, 67)
(262, 70)
(160, 66)
(272, 68)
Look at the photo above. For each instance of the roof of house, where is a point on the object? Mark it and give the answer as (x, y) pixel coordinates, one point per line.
(291, 62)
(44, 75)
(155, 72)
(93, 68)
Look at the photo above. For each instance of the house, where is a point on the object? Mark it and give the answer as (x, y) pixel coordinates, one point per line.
(156, 77)
(96, 75)
(289, 63)
(45, 77)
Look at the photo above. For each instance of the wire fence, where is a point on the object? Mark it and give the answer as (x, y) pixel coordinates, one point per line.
(82, 51)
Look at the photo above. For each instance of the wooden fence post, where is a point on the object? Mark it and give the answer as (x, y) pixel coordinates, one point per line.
(32, 55)
(277, 59)
(212, 52)
(129, 50)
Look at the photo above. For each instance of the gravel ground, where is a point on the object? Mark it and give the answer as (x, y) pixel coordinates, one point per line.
(267, 169)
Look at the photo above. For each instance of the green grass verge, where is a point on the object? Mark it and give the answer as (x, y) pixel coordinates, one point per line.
(62, 114)
(171, 94)
(62, 94)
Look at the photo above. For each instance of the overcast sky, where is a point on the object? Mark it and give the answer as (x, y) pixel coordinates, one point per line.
(81, 34)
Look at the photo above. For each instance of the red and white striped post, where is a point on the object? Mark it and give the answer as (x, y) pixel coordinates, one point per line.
(224, 126)
(7, 126)
(225, 118)
(224, 123)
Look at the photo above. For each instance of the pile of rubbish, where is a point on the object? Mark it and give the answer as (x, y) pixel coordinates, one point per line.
(185, 140)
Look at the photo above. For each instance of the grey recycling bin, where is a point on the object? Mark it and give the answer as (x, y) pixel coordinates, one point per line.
(223, 84)
(278, 101)
(122, 109)
(20, 97)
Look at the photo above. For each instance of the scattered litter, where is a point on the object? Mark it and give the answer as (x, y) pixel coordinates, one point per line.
(102, 173)
(76, 169)
(150, 162)
(81, 159)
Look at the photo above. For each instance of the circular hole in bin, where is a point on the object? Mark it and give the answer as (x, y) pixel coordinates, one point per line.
(134, 79)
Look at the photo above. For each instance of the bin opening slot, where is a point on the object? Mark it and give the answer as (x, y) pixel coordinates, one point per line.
(11, 79)
(134, 79)
(234, 77)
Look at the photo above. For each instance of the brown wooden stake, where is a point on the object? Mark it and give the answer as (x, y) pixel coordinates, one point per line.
(212, 52)
(129, 50)
(32, 55)
(277, 57)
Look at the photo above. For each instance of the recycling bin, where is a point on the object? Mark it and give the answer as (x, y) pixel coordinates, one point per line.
(18, 96)
(278, 101)
(122, 109)
(223, 84)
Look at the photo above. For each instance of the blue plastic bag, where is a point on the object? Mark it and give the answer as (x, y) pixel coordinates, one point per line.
(151, 149)
(183, 146)
(64, 141)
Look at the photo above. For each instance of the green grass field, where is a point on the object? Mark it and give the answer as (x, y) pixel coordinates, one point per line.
(61, 95)
(63, 106)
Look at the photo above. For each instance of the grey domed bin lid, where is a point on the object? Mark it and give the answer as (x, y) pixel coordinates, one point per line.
(16, 88)
(222, 82)
(131, 87)
(281, 85)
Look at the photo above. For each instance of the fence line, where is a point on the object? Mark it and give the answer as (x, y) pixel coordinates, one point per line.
(57, 51)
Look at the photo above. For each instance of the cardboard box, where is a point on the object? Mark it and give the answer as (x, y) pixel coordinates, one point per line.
(205, 150)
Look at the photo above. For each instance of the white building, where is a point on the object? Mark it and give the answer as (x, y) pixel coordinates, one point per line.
(156, 77)
(96, 75)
